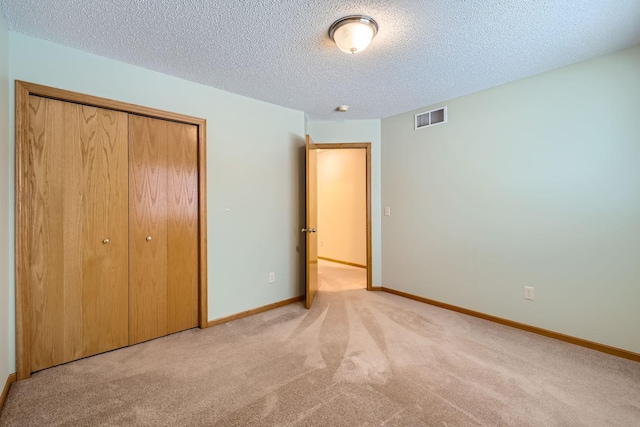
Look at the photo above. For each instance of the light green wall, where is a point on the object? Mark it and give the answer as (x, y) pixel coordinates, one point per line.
(533, 183)
(255, 178)
(7, 365)
(359, 131)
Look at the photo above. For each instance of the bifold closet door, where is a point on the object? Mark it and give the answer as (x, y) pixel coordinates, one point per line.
(163, 191)
(77, 204)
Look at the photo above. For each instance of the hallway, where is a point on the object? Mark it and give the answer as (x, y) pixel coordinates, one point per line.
(335, 277)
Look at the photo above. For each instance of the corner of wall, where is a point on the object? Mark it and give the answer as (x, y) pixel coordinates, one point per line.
(7, 359)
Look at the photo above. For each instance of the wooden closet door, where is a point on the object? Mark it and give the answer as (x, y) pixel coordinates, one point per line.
(147, 228)
(163, 228)
(182, 227)
(77, 242)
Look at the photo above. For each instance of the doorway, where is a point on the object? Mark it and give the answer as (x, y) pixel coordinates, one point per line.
(344, 213)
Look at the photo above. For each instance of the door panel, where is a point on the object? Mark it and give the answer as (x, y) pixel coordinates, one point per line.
(182, 218)
(54, 283)
(312, 221)
(147, 228)
(105, 250)
(63, 151)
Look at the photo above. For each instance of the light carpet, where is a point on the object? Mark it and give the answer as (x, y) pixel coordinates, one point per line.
(356, 358)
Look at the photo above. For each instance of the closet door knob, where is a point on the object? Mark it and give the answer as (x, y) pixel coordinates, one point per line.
(148, 238)
(105, 241)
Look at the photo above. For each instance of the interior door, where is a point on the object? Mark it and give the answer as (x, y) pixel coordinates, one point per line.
(78, 251)
(312, 221)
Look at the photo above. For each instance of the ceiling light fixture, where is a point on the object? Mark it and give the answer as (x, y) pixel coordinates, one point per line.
(353, 33)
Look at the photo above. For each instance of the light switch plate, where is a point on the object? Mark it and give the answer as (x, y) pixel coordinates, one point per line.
(528, 293)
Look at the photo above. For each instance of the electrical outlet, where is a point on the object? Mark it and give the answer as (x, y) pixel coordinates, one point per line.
(321, 242)
(528, 293)
(387, 211)
(272, 277)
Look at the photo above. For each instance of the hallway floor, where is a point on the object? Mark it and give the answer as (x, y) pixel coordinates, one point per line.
(336, 277)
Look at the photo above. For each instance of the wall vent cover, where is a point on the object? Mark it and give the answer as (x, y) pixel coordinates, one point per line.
(431, 118)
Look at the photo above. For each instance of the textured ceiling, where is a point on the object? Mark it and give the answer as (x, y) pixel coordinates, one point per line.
(426, 51)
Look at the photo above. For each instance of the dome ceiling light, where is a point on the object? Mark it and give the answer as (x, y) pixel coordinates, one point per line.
(353, 33)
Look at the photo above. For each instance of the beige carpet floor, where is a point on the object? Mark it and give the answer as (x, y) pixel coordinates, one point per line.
(357, 358)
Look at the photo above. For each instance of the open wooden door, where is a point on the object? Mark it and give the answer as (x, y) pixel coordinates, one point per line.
(312, 221)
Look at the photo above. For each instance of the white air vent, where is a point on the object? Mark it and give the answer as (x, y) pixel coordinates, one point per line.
(431, 118)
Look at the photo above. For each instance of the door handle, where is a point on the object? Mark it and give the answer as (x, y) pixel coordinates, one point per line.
(308, 230)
